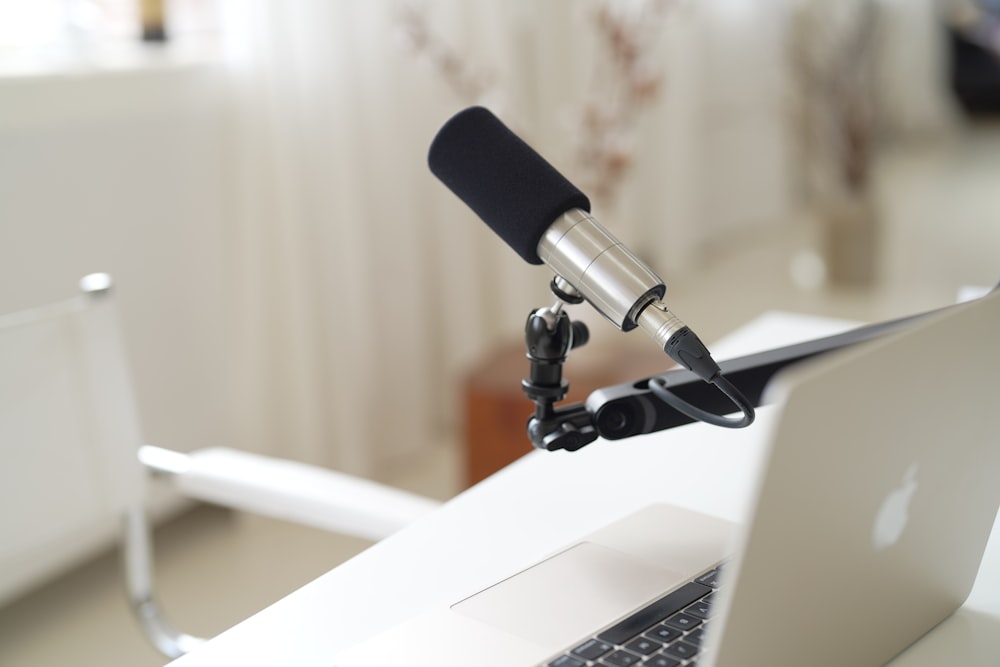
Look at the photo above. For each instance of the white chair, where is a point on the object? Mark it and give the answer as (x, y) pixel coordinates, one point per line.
(67, 408)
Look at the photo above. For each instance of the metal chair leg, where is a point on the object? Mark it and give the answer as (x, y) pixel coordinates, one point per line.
(137, 554)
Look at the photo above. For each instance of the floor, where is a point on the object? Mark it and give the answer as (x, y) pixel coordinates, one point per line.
(216, 568)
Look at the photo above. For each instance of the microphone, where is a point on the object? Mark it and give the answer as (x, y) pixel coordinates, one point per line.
(546, 219)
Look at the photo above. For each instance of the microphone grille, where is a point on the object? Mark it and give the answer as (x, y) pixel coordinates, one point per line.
(500, 177)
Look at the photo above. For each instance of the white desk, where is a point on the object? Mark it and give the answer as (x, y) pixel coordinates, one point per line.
(537, 505)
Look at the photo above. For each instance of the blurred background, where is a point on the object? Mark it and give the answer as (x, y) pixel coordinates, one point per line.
(293, 281)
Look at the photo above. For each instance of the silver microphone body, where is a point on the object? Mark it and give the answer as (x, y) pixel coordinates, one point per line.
(608, 275)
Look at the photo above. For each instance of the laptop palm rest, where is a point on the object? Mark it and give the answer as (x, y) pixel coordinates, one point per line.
(555, 603)
(558, 600)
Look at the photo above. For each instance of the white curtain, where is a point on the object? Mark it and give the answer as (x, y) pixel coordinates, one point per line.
(365, 289)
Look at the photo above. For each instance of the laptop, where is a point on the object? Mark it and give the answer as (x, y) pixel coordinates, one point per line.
(873, 506)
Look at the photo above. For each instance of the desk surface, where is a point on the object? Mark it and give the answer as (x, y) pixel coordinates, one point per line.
(539, 504)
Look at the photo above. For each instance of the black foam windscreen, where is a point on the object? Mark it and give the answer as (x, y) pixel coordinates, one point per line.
(500, 177)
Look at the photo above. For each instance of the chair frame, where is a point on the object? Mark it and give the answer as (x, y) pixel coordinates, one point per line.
(286, 490)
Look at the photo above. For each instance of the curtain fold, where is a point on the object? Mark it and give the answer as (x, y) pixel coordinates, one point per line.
(363, 288)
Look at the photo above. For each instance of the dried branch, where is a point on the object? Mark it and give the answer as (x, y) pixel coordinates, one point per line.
(832, 58)
(470, 84)
(625, 83)
(628, 83)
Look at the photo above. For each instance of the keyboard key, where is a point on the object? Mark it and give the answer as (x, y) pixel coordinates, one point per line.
(654, 613)
(701, 609)
(661, 661)
(696, 636)
(710, 578)
(592, 649)
(664, 633)
(682, 621)
(621, 659)
(643, 646)
(567, 661)
(682, 650)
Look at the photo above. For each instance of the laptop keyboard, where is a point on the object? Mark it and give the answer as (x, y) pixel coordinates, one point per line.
(666, 633)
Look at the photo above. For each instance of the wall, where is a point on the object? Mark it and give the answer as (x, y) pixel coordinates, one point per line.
(120, 171)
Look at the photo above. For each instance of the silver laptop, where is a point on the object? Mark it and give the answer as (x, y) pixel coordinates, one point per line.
(872, 511)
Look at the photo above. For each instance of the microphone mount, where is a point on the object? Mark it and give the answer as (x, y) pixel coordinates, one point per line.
(636, 408)
(549, 335)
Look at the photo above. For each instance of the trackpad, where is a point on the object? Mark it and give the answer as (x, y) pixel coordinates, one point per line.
(569, 595)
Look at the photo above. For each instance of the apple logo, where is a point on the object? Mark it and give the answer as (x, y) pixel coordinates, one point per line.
(894, 513)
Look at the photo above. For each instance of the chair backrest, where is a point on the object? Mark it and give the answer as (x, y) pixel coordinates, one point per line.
(69, 430)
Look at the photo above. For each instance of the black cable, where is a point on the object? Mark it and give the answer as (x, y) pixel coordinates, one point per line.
(686, 348)
(659, 388)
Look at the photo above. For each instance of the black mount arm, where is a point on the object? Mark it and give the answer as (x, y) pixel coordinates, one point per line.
(549, 336)
(630, 409)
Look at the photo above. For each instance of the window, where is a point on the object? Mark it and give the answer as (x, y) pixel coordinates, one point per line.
(56, 31)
